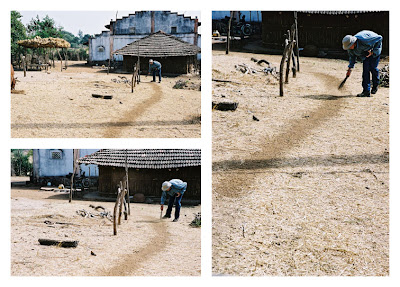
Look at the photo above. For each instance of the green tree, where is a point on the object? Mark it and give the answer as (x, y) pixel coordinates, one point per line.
(20, 161)
(18, 32)
(85, 38)
(43, 28)
(80, 35)
(71, 38)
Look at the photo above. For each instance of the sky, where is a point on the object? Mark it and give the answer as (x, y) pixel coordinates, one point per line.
(89, 22)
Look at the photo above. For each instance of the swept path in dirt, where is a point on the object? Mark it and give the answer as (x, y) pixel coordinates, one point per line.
(129, 263)
(295, 131)
(114, 130)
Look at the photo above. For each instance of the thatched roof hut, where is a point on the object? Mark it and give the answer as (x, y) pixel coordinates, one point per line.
(147, 169)
(175, 55)
(39, 42)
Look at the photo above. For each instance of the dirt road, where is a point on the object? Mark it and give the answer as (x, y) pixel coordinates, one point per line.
(60, 104)
(303, 191)
(144, 246)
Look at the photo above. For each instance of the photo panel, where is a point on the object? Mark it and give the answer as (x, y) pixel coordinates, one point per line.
(105, 212)
(300, 143)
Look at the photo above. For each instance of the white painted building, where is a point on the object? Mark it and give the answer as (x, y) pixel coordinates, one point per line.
(49, 163)
(138, 25)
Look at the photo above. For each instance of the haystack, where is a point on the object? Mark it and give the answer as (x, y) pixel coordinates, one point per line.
(39, 42)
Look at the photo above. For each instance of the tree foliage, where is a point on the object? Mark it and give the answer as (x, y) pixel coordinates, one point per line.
(20, 162)
(43, 28)
(85, 38)
(18, 32)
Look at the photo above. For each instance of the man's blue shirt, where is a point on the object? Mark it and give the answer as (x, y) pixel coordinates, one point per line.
(366, 40)
(177, 185)
(155, 65)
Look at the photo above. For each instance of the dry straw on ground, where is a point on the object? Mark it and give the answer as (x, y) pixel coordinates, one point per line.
(60, 104)
(304, 191)
(144, 246)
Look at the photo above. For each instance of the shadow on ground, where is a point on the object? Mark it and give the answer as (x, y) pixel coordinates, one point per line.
(324, 160)
(326, 97)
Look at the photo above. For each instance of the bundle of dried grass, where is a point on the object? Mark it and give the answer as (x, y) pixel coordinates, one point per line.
(39, 42)
(384, 76)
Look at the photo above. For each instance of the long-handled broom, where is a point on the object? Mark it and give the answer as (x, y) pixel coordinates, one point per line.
(342, 83)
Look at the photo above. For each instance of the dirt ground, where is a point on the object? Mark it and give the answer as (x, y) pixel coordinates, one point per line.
(144, 245)
(60, 105)
(304, 191)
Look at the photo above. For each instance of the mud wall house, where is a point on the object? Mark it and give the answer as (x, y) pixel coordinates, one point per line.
(175, 55)
(147, 170)
(53, 165)
(138, 25)
(323, 29)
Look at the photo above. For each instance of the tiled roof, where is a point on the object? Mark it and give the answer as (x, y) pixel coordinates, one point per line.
(144, 158)
(336, 12)
(159, 44)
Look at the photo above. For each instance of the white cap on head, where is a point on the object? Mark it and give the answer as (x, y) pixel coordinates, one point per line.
(165, 186)
(348, 41)
(151, 61)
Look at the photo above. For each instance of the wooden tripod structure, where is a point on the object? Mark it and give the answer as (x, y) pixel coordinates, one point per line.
(288, 57)
(123, 198)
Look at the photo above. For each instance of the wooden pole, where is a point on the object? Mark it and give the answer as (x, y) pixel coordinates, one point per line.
(297, 42)
(46, 55)
(138, 65)
(228, 36)
(66, 59)
(133, 78)
(125, 207)
(111, 45)
(116, 211)
(281, 68)
(119, 199)
(288, 57)
(72, 187)
(127, 182)
(294, 61)
(290, 51)
(75, 167)
(59, 55)
(23, 64)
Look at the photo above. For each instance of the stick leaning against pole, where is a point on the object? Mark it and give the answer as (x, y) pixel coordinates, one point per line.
(297, 42)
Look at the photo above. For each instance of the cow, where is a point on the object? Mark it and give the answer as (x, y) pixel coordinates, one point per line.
(12, 78)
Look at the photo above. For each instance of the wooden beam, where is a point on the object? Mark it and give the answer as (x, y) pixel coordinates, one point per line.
(281, 68)
(228, 36)
(24, 64)
(297, 41)
(60, 58)
(116, 211)
(127, 182)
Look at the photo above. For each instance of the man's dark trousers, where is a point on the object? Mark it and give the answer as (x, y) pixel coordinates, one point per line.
(156, 72)
(370, 65)
(177, 200)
